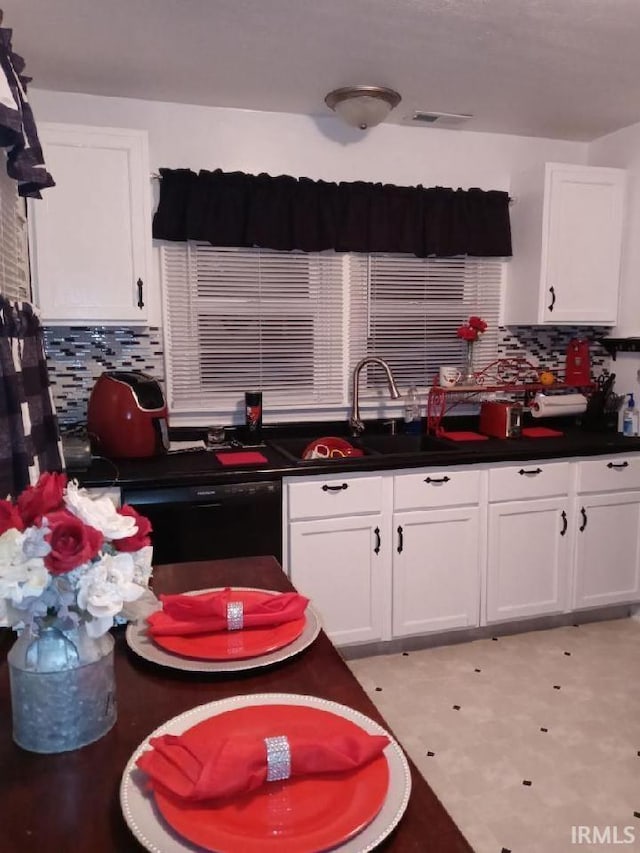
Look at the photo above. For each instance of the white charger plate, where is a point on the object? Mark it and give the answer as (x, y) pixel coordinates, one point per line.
(149, 827)
(142, 644)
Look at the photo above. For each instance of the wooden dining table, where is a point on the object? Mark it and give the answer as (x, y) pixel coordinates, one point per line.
(70, 801)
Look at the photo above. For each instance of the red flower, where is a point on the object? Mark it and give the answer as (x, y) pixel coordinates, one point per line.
(42, 498)
(9, 517)
(72, 542)
(467, 333)
(139, 539)
(478, 324)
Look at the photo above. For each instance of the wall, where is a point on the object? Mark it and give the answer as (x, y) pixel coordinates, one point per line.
(622, 149)
(182, 135)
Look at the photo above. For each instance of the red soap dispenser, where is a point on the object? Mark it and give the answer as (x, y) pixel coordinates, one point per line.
(578, 368)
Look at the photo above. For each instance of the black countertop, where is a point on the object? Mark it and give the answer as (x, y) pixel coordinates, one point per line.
(200, 466)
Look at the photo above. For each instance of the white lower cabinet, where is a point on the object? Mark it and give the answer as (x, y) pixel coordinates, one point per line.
(607, 553)
(435, 570)
(528, 558)
(404, 553)
(341, 564)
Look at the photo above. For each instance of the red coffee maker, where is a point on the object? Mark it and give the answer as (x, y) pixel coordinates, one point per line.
(578, 367)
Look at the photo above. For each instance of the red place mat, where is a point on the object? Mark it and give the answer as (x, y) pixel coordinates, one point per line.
(463, 436)
(247, 457)
(540, 432)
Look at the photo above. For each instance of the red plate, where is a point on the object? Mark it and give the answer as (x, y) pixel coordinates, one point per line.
(297, 816)
(235, 645)
(330, 447)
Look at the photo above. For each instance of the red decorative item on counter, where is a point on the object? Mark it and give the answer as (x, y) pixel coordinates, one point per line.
(578, 367)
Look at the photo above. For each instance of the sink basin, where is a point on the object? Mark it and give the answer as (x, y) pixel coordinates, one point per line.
(293, 448)
(404, 444)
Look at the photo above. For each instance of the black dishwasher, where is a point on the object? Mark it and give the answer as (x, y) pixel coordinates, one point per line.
(210, 522)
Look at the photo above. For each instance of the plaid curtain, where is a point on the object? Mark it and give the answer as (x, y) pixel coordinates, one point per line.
(29, 434)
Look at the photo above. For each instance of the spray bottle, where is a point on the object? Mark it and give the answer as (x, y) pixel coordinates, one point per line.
(630, 418)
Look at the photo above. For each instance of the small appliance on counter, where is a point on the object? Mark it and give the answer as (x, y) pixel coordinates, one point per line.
(127, 415)
(501, 419)
(577, 367)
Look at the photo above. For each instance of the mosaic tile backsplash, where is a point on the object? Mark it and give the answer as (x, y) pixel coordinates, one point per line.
(77, 356)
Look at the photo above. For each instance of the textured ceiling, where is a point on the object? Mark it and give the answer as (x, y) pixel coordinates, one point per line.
(567, 69)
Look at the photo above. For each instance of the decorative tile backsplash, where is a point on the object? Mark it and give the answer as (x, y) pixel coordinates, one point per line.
(546, 347)
(77, 356)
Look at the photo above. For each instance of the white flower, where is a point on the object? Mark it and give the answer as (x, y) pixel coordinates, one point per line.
(142, 565)
(100, 513)
(104, 588)
(21, 576)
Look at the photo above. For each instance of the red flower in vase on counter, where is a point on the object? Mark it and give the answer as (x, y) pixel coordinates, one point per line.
(472, 329)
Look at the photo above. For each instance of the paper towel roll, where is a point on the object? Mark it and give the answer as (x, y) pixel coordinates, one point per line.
(557, 405)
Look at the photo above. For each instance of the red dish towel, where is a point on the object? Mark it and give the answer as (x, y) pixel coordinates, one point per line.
(247, 457)
(207, 613)
(195, 769)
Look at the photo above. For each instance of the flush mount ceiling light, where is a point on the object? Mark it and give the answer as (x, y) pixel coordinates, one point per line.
(362, 106)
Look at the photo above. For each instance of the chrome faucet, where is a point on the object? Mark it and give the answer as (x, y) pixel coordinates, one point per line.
(355, 422)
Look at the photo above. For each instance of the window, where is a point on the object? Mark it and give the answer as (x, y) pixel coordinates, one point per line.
(294, 325)
(14, 265)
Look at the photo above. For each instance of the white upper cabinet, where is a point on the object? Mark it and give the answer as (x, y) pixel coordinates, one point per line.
(90, 235)
(566, 227)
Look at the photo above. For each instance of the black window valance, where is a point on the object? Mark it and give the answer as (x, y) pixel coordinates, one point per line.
(237, 209)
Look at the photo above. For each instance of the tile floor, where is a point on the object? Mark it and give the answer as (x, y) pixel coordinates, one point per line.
(525, 736)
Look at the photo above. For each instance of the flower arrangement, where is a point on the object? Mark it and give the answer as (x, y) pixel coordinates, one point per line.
(472, 329)
(68, 559)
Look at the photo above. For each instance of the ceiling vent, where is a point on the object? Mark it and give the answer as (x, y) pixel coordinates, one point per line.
(448, 119)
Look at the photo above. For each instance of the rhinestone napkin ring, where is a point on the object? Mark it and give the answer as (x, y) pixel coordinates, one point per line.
(278, 758)
(235, 615)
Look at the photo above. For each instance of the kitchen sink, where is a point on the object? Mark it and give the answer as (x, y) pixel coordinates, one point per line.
(371, 444)
(293, 448)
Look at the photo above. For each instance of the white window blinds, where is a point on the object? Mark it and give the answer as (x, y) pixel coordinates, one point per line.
(408, 310)
(14, 265)
(239, 320)
(293, 325)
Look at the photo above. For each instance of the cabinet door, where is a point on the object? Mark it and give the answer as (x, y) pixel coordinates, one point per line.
(90, 235)
(607, 567)
(581, 245)
(342, 565)
(527, 567)
(435, 570)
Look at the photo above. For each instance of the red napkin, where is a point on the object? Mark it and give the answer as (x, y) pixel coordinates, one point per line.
(204, 614)
(207, 768)
(247, 457)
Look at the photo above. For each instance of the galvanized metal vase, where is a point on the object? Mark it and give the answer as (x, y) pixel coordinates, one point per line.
(62, 689)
